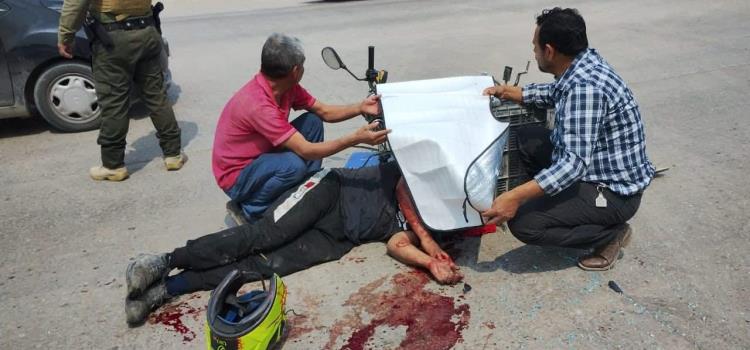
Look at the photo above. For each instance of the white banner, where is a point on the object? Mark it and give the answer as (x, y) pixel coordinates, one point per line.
(448, 146)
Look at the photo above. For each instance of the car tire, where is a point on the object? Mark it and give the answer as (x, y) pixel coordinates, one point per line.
(65, 97)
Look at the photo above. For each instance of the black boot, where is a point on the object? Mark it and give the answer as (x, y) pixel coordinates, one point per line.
(144, 270)
(138, 309)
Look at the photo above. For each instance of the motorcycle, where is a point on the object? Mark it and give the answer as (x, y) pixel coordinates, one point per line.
(373, 77)
(504, 111)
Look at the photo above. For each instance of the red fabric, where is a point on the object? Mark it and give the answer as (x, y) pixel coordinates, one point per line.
(253, 123)
(481, 230)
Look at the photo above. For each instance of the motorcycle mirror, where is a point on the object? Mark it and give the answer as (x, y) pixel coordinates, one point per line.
(507, 73)
(518, 77)
(331, 58)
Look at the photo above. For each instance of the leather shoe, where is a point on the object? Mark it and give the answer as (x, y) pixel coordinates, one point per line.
(605, 257)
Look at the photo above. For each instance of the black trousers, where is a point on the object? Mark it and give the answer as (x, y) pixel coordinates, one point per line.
(311, 232)
(569, 218)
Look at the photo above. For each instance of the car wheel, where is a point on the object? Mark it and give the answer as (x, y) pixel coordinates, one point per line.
(65, 97)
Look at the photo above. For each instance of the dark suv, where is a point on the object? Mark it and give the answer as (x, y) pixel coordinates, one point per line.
(35, 79)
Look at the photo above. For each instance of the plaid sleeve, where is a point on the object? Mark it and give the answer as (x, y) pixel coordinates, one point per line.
(582, 109)
(539, 95)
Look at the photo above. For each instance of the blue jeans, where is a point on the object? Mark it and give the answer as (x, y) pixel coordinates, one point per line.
(267, 177)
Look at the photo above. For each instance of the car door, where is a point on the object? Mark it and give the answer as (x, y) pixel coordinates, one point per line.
(6, 85)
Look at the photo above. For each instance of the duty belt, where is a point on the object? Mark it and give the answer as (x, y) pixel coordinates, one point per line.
(129, 24)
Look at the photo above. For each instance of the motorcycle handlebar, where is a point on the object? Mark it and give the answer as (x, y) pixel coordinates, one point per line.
(370, 58)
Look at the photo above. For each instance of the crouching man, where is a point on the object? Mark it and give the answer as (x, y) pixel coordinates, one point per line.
(258, 154)
(320, 220)
(590, 171)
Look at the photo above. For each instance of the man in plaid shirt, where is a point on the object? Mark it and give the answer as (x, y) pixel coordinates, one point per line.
(590, 171)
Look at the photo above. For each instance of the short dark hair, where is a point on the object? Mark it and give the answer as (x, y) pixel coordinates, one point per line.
(280, 54)
(563, 29)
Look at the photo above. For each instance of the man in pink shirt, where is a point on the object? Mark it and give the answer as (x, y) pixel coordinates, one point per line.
(258, 154)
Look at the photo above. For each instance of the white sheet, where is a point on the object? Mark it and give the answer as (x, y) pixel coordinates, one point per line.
(448, 145)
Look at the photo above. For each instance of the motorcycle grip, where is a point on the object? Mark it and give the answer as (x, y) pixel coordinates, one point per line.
(371, 57)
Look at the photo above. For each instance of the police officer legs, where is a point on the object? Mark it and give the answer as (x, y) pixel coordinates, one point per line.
(129, 56)
(134, 58)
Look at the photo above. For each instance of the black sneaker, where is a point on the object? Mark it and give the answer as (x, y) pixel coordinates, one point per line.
(236, 213)
(138, 309)
(144, 270)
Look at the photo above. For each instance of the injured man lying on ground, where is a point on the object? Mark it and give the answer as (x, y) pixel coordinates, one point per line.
(321, 220)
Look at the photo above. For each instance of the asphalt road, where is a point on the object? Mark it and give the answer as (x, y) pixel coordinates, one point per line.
(65, 240)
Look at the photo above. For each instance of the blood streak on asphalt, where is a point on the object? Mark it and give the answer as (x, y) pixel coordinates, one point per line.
(432, 321)
(171, 316)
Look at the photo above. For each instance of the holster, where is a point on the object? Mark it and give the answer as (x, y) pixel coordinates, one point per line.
(155, 10)
(95, 31)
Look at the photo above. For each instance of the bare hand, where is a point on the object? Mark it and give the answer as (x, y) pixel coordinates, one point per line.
(370, 105)
(503, 209)
(444, 272)
(505, 92)
(434, 251)
(368, 135)
(65, 50)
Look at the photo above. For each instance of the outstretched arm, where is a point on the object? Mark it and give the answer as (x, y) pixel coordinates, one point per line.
(335, 114)
(425, 239)
(318, 150)
(402, 248)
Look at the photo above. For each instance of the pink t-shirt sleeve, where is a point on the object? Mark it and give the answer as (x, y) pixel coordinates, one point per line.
(275, 127)
(301, 99)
